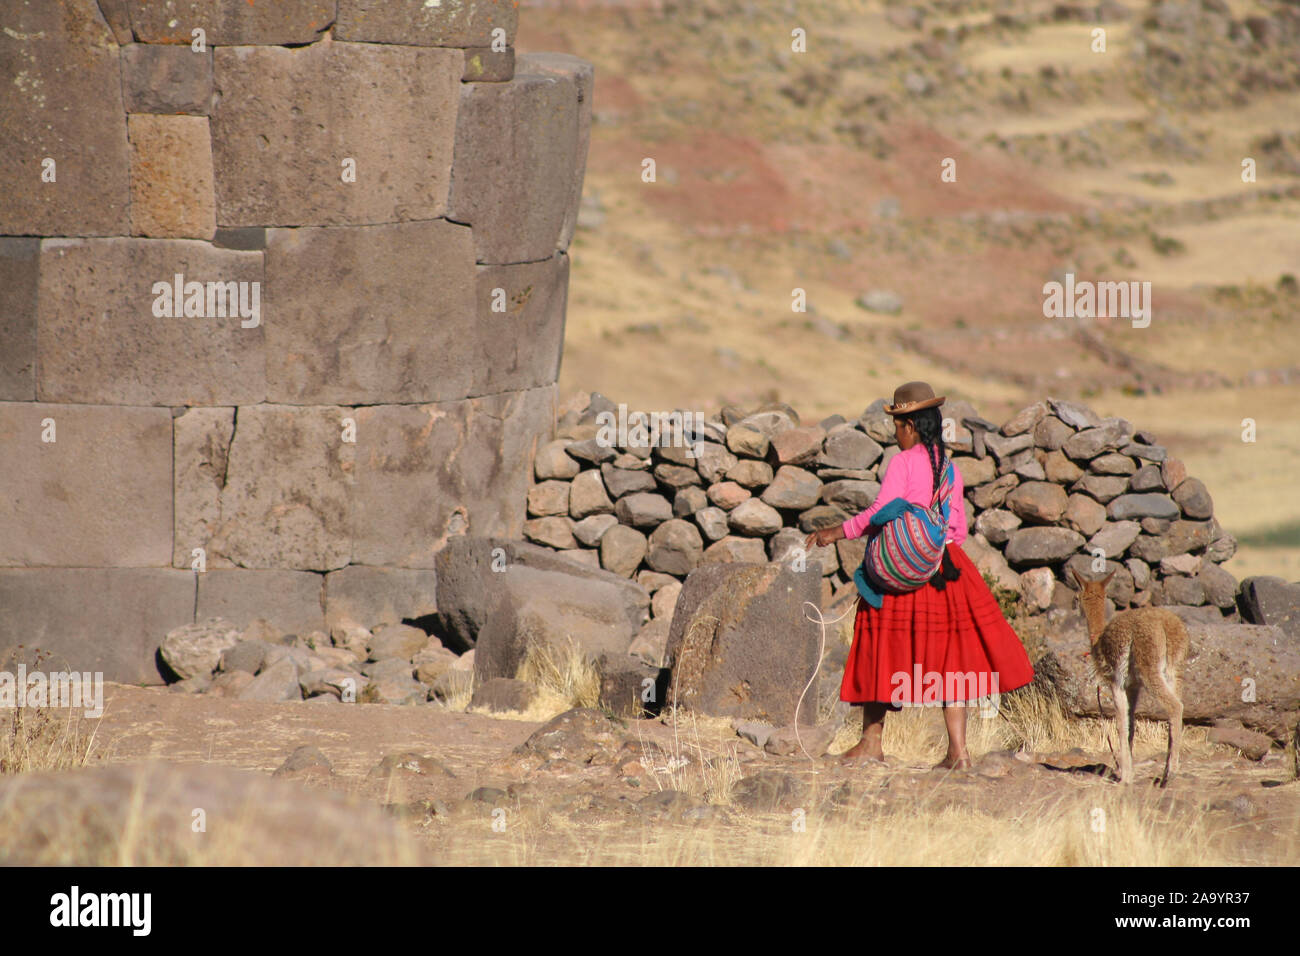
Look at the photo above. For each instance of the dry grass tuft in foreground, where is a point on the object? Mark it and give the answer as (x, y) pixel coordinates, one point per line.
(44, 738)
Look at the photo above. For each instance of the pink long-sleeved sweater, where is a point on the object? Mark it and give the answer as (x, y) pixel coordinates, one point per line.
(909, 475)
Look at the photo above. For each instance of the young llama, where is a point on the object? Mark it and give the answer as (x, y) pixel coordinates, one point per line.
(1140, 647)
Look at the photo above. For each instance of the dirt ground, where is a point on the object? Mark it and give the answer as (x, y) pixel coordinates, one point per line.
(686, 793)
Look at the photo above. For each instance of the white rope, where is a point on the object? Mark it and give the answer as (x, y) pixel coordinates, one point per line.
(821, 622)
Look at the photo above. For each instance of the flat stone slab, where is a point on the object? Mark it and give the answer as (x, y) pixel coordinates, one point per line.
(287, 119)
(227, 23)
(424, 473)
(291, 600)
(486, 65)
(286, 501)
(515, 161)
(61, 100)
(19, 259)
(171, 177)
(201, 453)
(109, 620)
(100, 338)
(371, 596)
(99, 495)
(158, 78)
(398, 322)
(582, 74)
(521, 346)
(467, 23)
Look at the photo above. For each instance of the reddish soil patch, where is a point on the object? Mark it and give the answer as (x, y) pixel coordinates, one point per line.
(728, 181)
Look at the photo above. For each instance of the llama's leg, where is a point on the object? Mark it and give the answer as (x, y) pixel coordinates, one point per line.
(1167, 692)
(1133, 690)
(1123, 752)
(1175, 724)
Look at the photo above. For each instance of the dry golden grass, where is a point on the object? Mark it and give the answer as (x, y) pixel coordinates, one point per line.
(33, 739)
(690, 765)
(151, 824)
(1085, 825)
(563, 675)
(1028, 720)
(562, 670)
(1103, 828)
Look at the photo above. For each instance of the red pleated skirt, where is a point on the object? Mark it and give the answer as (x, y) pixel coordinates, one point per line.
(930, 646)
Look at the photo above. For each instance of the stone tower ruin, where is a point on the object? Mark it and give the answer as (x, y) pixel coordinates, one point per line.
(282, 294)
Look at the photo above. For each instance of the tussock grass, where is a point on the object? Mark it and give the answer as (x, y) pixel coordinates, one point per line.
(564, 670)
(563, 675)
(461, 694)
(33, 739)
(688, 765)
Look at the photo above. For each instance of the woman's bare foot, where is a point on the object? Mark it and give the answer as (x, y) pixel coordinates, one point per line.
(950, 762)
(864, 751)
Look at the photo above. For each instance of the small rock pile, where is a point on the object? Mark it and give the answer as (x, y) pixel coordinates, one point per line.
(391, 664)
(1055, 488)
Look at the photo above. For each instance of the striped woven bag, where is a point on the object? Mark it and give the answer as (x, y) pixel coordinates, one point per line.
(908, 549)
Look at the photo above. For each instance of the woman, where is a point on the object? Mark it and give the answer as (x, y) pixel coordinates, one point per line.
(951, 628)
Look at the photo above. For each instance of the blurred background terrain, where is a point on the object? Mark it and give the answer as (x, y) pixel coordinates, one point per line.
(820, 170)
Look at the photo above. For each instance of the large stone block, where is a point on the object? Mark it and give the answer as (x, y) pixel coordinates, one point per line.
(583, 75)
(740, 646)
(171, 177)
(61, 100)
(427, 473)
(291, 600)
(515, 162)
(94, 619)
(370, 596)
(486, 65)
(119, 19)
(286, 121)
(1271, 600)
(286, 502)
(230, 23)
(397, 324)
(503, 596)
(166, 79)
(99, 339)
(520, 347)
(465, 23)
(19, 270)
(99, 495)
(201, 443)
(474, 574)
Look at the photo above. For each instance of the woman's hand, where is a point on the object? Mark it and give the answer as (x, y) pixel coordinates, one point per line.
(823, 537)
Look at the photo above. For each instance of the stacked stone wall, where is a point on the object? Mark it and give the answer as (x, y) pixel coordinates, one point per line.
(1054, 491)
(386, 190)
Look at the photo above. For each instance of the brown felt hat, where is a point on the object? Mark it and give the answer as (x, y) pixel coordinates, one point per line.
(912, 397)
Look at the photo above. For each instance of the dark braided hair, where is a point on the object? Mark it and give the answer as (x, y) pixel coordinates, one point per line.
(928, 423)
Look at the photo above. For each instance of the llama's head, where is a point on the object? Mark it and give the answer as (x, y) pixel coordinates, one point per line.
(1092, 601)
